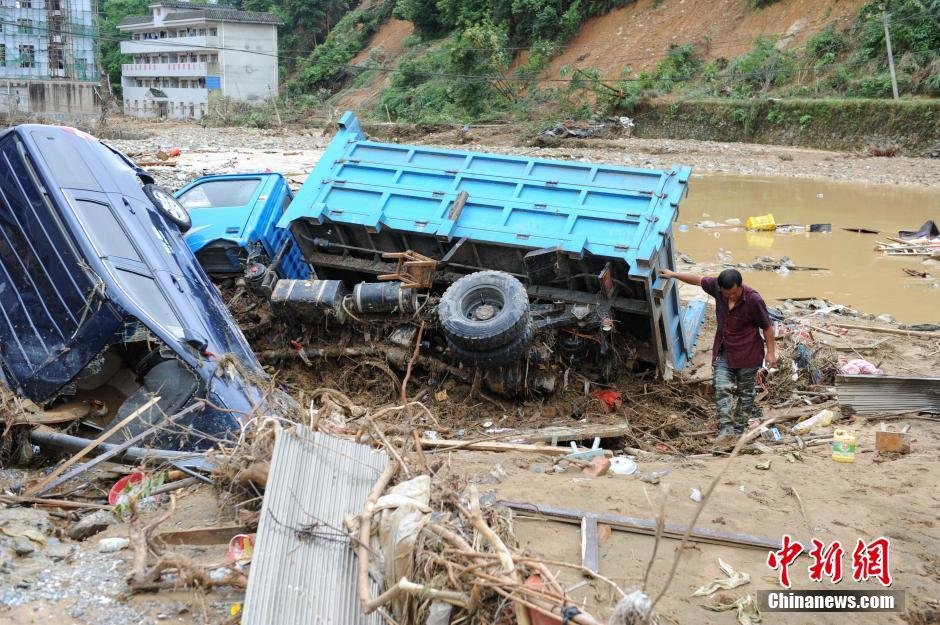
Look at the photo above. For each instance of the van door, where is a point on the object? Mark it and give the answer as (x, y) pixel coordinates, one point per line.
(54, 315)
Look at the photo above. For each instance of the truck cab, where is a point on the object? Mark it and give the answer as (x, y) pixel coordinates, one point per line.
(233, 229)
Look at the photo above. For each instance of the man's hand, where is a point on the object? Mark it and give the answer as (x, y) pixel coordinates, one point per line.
(688, 278)
(771, 359)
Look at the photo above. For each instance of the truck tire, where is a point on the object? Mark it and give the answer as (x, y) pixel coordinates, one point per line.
(483, 311)
(496, 357)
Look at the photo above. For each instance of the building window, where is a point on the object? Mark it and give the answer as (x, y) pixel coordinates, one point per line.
(202, 32)
(136, 36)
(3, 54)
(24, 4)
(24, 26)
(202, 58)
(213, 32)
(27, 55)
(56, 59)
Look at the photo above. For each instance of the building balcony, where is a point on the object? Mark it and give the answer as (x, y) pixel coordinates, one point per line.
(172, 94)
(181, 70)
(170, 44)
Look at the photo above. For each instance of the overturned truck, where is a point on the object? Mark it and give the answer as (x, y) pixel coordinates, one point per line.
(521, 267)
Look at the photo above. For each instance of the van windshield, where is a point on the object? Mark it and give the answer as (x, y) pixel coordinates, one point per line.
(220, 194)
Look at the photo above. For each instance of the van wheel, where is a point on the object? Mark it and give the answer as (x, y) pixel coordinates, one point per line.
(496, 357)
(168, 206)
(483, 311)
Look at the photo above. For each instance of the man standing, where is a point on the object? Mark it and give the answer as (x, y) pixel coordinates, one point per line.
(738, 350)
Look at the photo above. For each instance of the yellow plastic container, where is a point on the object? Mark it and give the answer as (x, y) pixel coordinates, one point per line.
(761, 222)
(843, 446)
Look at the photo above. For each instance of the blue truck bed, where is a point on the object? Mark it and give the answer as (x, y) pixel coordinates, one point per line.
(365, 197)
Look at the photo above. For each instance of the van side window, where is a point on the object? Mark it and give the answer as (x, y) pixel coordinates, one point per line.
(43, 290)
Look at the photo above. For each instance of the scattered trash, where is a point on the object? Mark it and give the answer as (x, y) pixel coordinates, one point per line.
(820, 228)
(610, 400)
(927, 231)
(764, 466)
(890, 441)
(822, 418)
(843, 446)
(859, 366)
(914, 273)
(111, 545)
(733, 580)
(653, 477)
(125, 487)
(621, 465)
(241, 548)
(695, 495)
(862, 230)
(771, 434)
(761, 222)
(598, 466)
(748, 612)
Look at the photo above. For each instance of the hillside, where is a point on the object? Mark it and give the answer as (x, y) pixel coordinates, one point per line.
(638, 35)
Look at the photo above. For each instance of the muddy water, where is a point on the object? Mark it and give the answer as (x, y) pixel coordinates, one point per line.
(856, 275)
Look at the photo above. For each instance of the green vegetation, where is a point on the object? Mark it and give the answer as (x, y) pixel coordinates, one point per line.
(456, 65)
(328, 64)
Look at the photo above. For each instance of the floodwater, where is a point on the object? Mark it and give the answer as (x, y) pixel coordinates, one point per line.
(855, 275)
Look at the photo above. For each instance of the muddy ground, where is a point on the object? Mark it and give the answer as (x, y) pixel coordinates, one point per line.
(670, 429)
(294, 150)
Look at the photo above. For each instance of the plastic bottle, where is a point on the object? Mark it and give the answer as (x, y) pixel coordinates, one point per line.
(823, 418)
(843, 446)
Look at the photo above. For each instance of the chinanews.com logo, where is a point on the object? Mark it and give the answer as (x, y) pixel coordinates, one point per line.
(870, 561)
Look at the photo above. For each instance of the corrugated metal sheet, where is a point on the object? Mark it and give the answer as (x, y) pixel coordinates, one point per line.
(881, 394)
(304, 568)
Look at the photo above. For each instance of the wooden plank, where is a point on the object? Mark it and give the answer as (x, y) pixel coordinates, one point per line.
(853, 326)
(459, 203)
(65, 413)
(590, 549)
(53, 503)
(483, 446)
(644, 526)
(44, 485)
(202, 535)
(572, 433)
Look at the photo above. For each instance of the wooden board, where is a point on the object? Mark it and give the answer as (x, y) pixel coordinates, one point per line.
(643, 526)
(219, 535)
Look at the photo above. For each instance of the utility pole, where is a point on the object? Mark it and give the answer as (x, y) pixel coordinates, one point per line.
(894, 78)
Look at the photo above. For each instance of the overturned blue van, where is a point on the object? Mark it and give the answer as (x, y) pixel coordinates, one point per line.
(101, 301)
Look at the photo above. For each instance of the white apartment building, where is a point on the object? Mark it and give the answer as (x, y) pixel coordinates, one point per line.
(185, 51)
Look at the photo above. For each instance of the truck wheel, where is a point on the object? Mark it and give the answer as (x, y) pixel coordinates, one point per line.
(496, 357)
(483, 311)
(168, 206)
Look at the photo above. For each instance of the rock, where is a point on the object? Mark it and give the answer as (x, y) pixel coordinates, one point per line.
(110, 545)
(537, 468)
(91, 524)
(23, 546)
(57, 550)
(886, 319)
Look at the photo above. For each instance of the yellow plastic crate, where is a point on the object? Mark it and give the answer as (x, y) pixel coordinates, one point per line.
(761, 222)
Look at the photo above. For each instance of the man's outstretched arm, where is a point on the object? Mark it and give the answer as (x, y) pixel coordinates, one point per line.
(688, 278)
